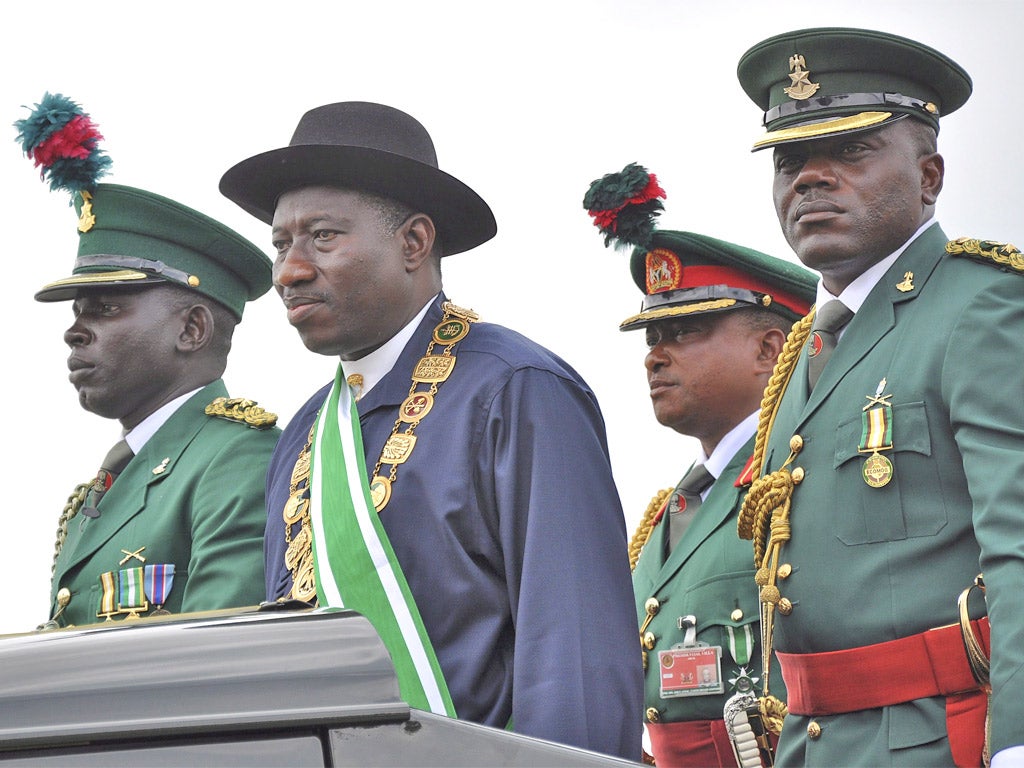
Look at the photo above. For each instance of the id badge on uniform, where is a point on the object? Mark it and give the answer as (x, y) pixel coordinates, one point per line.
(691, 671)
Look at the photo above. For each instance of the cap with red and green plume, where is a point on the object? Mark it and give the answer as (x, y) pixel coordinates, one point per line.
(128, 236)
(624, 206)
(684, 273)
(63, 142)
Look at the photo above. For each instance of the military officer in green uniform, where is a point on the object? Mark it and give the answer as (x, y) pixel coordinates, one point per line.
(174, 519)
(892, 459)
(715, 315)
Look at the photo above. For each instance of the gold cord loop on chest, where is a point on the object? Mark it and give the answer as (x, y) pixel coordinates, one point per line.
(764, 516)
(71, 508)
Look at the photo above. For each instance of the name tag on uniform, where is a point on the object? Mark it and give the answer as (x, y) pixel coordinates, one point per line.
(695, 671)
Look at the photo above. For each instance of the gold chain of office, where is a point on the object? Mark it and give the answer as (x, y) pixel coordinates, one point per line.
(431, 370)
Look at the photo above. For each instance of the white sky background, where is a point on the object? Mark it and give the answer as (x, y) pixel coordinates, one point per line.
(527, 103)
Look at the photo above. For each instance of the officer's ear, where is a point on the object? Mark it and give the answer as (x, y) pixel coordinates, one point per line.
(197, 328)
(933, 169)
(769, 348)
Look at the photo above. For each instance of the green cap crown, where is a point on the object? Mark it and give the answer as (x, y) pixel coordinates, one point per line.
(819, 82)
(129, 236)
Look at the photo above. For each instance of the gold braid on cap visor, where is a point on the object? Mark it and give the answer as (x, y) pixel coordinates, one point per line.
(824, 128)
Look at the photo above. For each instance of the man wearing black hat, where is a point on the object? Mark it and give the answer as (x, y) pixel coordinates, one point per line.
(715, 315)
(453, 483)
(893, 453)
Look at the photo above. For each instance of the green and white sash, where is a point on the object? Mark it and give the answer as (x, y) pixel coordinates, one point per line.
(355, 565)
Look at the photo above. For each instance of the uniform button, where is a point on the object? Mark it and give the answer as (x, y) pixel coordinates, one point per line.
(796, 443)
(651, 606)
(63, 596)
(813, 730)
(798, 475)
(785, 606)
(736, 615)
(784, 570)
(653, 715)
(649, 640)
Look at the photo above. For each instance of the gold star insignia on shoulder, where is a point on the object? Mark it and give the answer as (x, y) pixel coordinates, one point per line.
(243, 411)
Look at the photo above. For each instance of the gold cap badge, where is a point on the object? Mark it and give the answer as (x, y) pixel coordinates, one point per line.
(802, 87)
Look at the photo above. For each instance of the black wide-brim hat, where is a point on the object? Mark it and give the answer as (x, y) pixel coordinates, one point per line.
(364, 147)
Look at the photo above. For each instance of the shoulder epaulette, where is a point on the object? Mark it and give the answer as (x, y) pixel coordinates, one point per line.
(1002, 255)
(241, 410)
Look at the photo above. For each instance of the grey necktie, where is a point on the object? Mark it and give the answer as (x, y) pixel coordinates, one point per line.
(685, 502)
(828, 321)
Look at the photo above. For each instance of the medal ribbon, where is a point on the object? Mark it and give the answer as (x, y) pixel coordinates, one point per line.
(108, 598)
(741, 643)
(131, 593)
(876, 434)
(159, 580)
(356, 566)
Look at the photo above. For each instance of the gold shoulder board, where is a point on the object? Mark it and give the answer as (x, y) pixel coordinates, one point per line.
(1003, 255)
(243, 411)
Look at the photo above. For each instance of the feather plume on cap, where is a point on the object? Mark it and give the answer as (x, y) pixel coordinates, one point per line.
(625, 205)
(64, 144)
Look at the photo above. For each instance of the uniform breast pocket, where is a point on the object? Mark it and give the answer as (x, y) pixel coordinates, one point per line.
(727, 611)
(909, 504)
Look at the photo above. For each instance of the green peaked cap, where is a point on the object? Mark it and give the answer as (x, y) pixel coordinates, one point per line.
(685, 273)
(129, 236)
(820, 82)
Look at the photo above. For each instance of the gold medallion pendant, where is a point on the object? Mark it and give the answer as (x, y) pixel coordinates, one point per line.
(380, 492)
(295, 508)
(415, 407)
(450, 331)
(877, 471)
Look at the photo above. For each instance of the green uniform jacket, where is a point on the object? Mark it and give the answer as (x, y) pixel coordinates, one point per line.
(876, 564)
(710, 575)
(203, 512)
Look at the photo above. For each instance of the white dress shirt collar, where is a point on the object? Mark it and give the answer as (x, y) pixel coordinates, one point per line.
(376, 365)
(139, 435)
(728, 446)
(855, 293)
